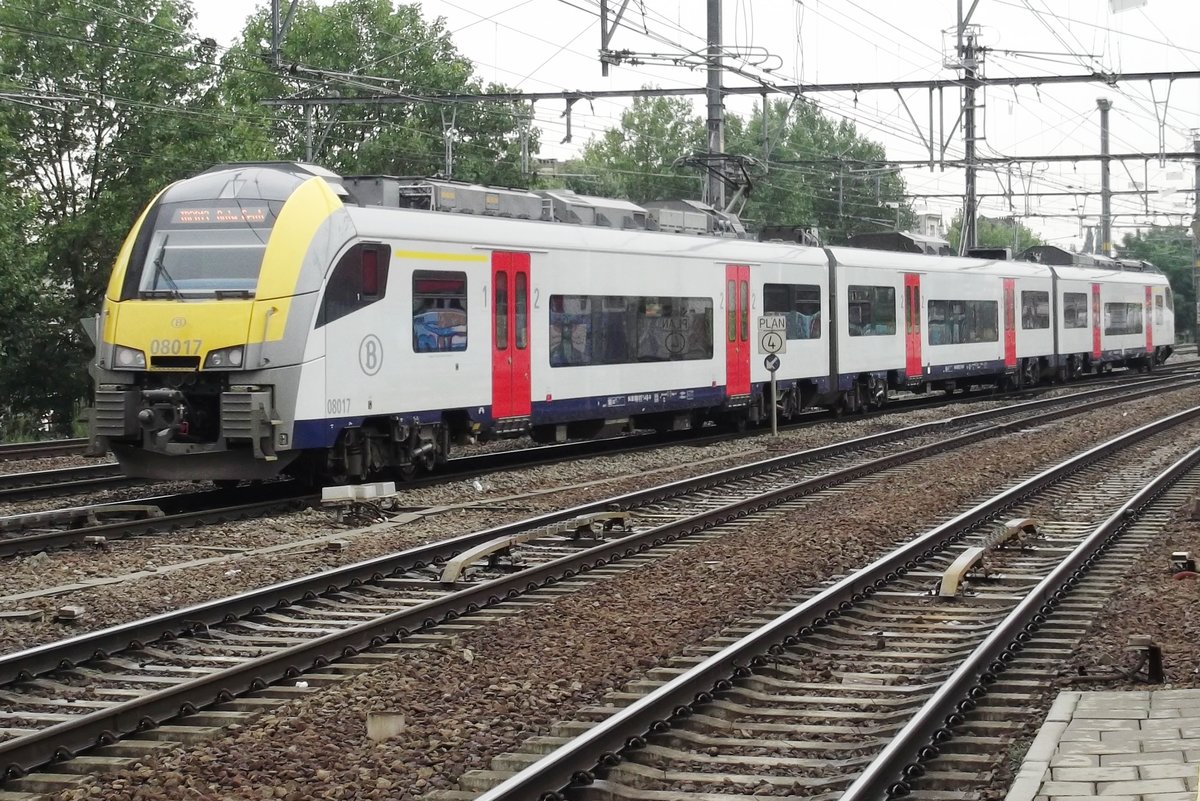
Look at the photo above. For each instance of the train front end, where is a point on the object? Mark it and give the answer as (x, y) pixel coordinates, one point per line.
(203, 336)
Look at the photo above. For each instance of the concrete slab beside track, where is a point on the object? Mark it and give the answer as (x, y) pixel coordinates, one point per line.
(1138, 744)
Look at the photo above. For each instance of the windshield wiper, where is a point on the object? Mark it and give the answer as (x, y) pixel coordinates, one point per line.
(161, 270)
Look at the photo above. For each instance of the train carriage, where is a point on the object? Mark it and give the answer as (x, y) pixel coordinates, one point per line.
(265, 318)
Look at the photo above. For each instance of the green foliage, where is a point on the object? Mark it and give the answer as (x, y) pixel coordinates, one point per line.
(995, 233)
(359, 38)
(115, 101)
(637, 161)
(1169, 248)
(819, 172)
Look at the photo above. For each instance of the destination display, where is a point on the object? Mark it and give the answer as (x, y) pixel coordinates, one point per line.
(210, 215)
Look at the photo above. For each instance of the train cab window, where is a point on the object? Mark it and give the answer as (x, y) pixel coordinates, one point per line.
(1035, 310)
(871, 311)
(800, 304)
(439, 311)
(358, 280)
(615, 329)
(1122, 318)
(1075, 310)
(963, 322)
(1158, 310)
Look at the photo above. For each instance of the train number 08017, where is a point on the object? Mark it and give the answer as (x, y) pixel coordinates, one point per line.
(337, 406)
(175, 347)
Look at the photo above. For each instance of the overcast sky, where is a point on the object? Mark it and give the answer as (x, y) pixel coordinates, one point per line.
(551, 45)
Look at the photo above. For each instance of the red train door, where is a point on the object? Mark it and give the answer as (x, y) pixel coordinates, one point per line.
(511, 384)
(1096, 321)
(912, 326)
(1010, 323)
(737, 330)
(1149, 320)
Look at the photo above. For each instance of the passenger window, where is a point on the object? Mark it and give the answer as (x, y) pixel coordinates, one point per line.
(358, 280)
(616, 329)
(522, 309)
(1158, 310)
(961, 322)
(871, 311)
(745, 311)
(731, 309)
(1075, 310)
(439, 317)
(501, 311)
(800, 305)
(1122, 318)
(1035, 310)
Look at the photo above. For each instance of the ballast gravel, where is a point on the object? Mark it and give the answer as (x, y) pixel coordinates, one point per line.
(481, 694)
(138, 577)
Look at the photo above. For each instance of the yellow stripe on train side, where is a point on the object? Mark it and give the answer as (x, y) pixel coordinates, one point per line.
(429, 255)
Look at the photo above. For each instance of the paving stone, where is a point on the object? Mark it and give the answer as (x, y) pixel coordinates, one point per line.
(1094, 798)
(1163, 713)
(1063, 706)
(1053, 788)
(1091, 774)
(1103, 724)
(1167, 772)
(1176, 723)
(1142, 787)
(1151, 745)
(1168, 797)
(1159, 758)
(1125, 713)
(1081, 736)
(1103, 749)
(1128, 736)
(1044, 744)
(1074, 761)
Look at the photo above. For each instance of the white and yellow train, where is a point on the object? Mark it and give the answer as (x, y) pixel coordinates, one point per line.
(267, 318)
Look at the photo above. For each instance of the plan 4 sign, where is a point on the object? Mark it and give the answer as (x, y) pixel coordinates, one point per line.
(772, 334)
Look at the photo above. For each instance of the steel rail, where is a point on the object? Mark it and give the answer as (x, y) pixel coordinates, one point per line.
(51, 447)
(168, 624)
(583, 758)
(64, 739)
(892, 771)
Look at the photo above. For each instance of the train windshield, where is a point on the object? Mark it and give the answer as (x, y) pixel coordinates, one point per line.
(212, 248)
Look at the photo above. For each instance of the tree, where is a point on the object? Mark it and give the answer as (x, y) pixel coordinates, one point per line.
(636, 162)
(368, 47)
(819, 172)
(1169, 248)
(110, 103)
(995, 233)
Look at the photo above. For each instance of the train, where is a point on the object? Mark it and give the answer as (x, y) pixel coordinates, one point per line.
(277, 318)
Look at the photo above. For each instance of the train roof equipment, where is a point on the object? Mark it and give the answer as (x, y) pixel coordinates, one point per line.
(1052, 254)
(901, 241)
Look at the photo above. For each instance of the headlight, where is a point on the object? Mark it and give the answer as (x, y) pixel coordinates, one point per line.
(128, 357)
(225, 357)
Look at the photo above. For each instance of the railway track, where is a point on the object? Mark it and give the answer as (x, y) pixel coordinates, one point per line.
(17, 487)
(877, 686)
(68, 696)
(12, 451)
(63, 528)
